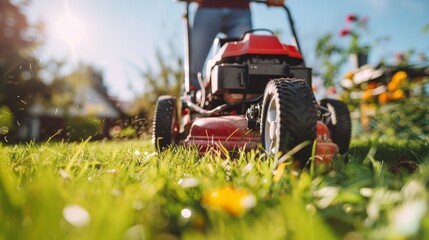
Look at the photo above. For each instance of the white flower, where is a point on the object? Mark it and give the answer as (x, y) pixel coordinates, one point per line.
(188, 182)
(76, 215)
(406, 219)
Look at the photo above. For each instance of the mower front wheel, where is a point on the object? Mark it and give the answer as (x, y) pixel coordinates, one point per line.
(165, 123)
(288, 118)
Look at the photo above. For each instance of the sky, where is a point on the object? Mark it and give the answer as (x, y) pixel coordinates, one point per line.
(121, 37)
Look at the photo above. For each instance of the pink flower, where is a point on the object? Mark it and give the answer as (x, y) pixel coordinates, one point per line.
(400, 57)
(351, 18)
(331, 90)
(364, 21)
(422, 57)
(344, 32)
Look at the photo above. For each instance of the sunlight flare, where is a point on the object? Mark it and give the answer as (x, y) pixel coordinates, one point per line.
(71, 29)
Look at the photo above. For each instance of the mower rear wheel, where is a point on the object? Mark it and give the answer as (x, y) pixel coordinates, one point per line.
(165, 122)
(339, 123)
(288, 118)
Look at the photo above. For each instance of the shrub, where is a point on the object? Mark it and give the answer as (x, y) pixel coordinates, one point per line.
(408, 118)
(83, 128)
(6, 120)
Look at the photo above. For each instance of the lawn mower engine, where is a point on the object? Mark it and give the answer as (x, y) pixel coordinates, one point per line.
(257, 93)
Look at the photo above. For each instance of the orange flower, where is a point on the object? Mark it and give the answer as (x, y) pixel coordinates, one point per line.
(396, 80)
(372, 85)
(383, 98)
(392, 86)
(367, 95)
(229, 199)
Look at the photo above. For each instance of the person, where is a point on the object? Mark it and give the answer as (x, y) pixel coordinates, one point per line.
(230, 17)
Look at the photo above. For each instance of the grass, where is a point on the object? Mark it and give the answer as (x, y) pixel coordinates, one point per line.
(124, 190)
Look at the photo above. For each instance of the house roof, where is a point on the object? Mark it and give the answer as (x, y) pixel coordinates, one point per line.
(88, 102)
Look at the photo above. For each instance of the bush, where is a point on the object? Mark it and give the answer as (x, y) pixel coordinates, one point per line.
(82, 128)
(6, 120)
(408, 118)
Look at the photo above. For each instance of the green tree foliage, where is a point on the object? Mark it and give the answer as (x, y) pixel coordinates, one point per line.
(70, 92)
(67, 90)
(19, 81)
(83, 128)
(426, 28)
(6, 120)
(408, 118)
(165, 80)
(334, 53)
(332, 58)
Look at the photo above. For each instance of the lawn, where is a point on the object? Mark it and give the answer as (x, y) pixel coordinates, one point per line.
(125, 190)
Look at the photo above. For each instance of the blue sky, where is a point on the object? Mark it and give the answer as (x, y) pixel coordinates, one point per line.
(120, 36)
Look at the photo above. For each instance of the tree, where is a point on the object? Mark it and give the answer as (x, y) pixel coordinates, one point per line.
(426, 28)
(334, 54)
(63, 89)
(19, 81)
(167, 80)
(82, 103)
(332, 57)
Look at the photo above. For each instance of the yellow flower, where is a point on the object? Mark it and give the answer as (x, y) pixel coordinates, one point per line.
(398, 94)
(349, 75)
(396, 80)
(229, 199)
(399, 76)
(279, 172)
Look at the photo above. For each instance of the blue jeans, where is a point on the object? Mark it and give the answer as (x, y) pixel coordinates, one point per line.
(208, 22)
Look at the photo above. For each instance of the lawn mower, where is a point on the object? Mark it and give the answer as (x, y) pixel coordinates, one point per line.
(257, 94)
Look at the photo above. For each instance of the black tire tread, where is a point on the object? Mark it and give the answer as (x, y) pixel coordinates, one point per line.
(298, 109)
(341, 132)
(165, 110)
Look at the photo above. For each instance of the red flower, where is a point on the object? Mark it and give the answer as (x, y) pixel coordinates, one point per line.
(344, 32)
(351, 18)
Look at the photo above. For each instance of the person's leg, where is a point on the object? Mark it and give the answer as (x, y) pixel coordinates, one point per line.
(236, 22)
(206, 26)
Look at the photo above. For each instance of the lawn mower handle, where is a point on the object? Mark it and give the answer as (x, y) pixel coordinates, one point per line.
(188, 36)
(258, 1)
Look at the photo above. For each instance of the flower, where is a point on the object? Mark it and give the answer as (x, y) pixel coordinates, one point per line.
(367, 95)
(331, 90)
(229, 199)
(355, 26)
(76, 215)
(351, 18)
(364, 21)
(344, 32)
(400, 58)
(396, 81)
(383, 98)
(349, 75)
(398, 94)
